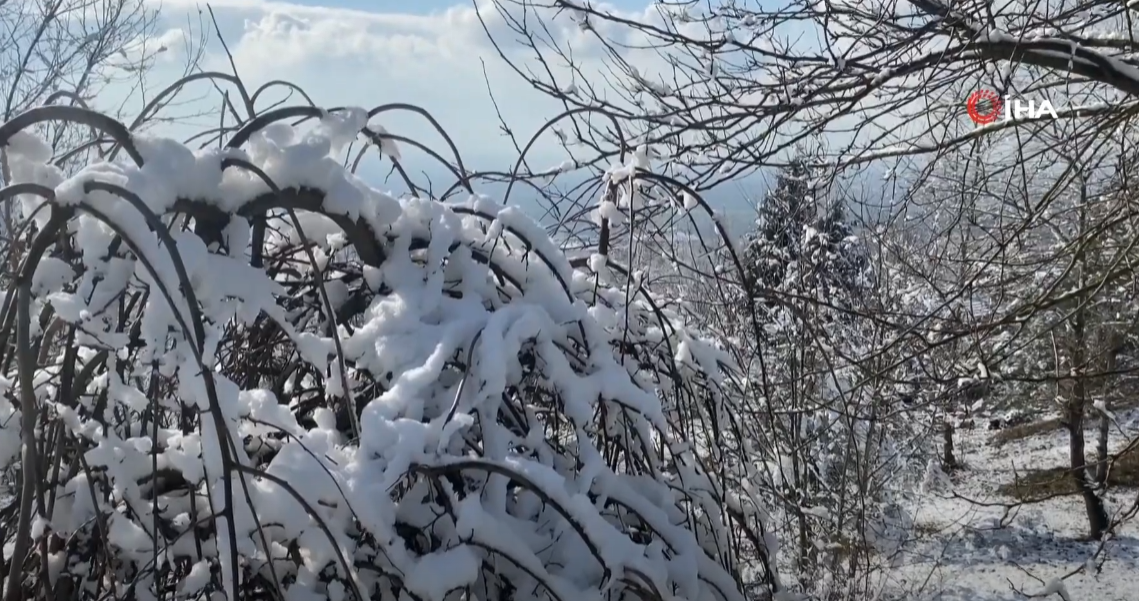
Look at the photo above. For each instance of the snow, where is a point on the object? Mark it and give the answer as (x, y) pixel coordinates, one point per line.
(1056, 586)
(436, 574)
(449, 341)
(39, 526)
(819, 512)
(29, 147)
(520, 417)
(196, 580)
(10, 441)
(388, 147)
(689, 201)
(975, 551)
(599, 263)
(607, 209)
(50, 276)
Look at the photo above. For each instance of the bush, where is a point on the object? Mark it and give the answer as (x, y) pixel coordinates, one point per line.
(245, 370)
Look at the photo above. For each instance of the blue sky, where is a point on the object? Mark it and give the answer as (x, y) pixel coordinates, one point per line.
(432, 53)
(421, 6)
(369, 52)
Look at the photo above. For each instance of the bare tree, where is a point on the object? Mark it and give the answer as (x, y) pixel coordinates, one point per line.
(727, 87)
(86, 53)
(982, 218)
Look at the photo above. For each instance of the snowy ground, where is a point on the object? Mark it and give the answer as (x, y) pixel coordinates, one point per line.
(967, 555)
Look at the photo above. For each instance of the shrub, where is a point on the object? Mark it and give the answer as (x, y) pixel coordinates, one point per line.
(245, 370)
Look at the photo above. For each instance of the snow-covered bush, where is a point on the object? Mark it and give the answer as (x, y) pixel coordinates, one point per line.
(243, 371)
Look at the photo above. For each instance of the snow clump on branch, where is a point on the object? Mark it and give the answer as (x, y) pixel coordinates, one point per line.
(252, 371)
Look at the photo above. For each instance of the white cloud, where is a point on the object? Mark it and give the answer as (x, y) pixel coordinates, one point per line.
(343, 56)
(437, 60)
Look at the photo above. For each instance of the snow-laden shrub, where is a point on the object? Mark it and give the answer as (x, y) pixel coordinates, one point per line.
(244, 371)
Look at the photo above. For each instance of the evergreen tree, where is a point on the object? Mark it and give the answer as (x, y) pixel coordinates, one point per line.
(804, 243)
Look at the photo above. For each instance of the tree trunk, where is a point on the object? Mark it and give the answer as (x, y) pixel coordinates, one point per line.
(1077, 403)
(1104, 418)
(948, 460)
(1101, 450)
(1093, 504)
(804, 489)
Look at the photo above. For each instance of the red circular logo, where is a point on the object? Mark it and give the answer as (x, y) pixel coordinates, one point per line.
(984, 106)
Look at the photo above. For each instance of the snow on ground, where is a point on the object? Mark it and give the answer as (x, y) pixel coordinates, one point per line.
(965, 553)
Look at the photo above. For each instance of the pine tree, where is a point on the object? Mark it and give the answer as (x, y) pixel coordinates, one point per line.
(804, 243)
